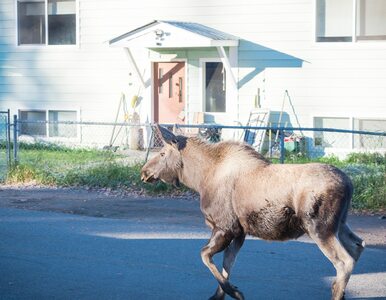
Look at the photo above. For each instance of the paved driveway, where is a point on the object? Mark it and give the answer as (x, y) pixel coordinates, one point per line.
(45, 255)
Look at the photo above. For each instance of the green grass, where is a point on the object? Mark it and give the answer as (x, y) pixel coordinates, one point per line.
(104, 169)
(63, 160)
(74, 167)
(113, 175)
(368, 173)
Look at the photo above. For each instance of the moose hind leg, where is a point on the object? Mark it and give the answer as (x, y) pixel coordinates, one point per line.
(340, 258)
(351, 242)
(230, 254)
(219, 241)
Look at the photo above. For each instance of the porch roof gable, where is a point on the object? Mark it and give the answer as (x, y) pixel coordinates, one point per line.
(174, 34)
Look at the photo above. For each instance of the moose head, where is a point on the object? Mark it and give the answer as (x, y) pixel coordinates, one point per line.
(167, 164)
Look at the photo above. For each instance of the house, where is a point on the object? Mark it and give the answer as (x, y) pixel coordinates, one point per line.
(71, 60)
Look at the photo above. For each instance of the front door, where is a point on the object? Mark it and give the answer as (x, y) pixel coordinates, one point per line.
(169, 95)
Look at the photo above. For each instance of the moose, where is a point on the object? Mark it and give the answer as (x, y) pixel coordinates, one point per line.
(242, 193)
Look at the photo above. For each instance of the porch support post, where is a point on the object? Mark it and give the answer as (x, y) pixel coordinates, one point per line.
(225, 60)
(134, 67)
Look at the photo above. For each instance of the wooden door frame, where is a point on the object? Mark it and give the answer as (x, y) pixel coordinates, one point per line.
(152, 62)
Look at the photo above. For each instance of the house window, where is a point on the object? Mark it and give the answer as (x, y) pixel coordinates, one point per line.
(62, 130)
(331, 139)
(334, 20)
(370, 141)
(46, 22)
(371, 20)
(33, 122)
(350, 20)
(215, 87)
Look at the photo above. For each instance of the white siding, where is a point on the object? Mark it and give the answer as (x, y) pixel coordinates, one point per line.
(277, 53)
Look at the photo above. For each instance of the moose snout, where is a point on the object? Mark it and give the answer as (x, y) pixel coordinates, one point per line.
(144, 175)
(147, 176)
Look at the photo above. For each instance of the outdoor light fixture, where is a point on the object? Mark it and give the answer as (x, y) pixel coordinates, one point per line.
(159, 33)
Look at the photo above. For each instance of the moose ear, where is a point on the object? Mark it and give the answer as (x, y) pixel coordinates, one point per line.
(167, 136)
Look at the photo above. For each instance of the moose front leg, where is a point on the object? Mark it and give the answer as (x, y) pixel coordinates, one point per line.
(230, 254)
(219, 241)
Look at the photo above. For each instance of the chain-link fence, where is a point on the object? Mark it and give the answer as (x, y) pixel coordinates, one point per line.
(58, 148)
(63, 146)
(289, 144)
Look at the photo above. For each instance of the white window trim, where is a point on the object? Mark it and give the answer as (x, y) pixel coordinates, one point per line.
(46, 45)
(350, 127)
(59, 139)
(351, 120)
(202, 87)
(353, 31)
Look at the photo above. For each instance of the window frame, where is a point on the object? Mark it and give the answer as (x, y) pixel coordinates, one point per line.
(351, 126)
(202, 71)
(47, 129)
(353, 36)
(20, 111)
(77, 33)
(361, 118)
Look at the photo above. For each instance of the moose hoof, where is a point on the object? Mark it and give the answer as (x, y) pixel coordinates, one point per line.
(238, 295)
(219, 295)
(232, 291)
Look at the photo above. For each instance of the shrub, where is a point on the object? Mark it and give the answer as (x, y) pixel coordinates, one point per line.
(27, 173)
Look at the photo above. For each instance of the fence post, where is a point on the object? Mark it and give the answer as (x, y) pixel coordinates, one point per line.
(282, 149)
(15, 143)
(9, 157)
(151, 138)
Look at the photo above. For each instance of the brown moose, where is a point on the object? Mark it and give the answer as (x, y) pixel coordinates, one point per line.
(242, 193)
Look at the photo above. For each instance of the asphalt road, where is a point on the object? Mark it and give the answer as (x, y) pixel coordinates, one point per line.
(46, 255)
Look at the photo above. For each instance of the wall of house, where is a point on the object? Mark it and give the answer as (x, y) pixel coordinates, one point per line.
(277, 52)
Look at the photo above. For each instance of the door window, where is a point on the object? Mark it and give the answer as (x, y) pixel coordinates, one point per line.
(215, 87)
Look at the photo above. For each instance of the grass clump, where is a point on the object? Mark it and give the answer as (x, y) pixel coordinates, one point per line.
(26, 173)
(78, 167)
(368, 173)
(112, 175)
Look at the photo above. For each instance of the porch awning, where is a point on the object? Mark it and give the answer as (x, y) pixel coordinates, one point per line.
(174, 34)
